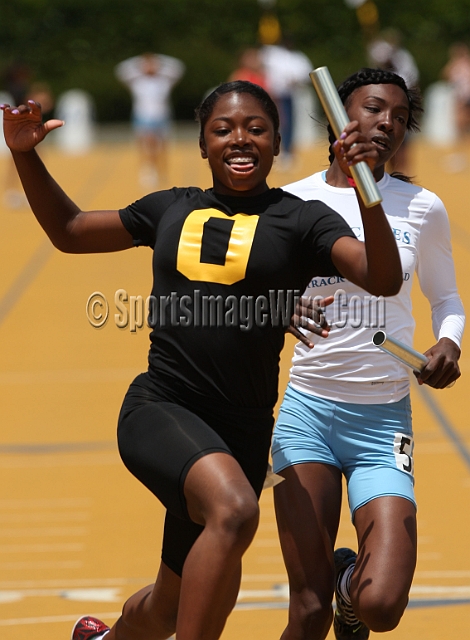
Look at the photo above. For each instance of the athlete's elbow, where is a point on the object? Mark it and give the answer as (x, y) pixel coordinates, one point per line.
(66, 243)
(395, 284)
(395, 290)
(386, 288)
(72, 238)
(390, 292)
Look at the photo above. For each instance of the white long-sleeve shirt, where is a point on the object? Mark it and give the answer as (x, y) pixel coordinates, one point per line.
(347, 366)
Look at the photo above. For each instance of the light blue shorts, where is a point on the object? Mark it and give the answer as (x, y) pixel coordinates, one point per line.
(159, 127)
(372, 444)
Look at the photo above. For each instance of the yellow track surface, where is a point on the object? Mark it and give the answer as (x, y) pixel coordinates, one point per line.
(78, 534)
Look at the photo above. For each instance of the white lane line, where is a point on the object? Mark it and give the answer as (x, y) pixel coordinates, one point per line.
(435, 590)
(72, 584)
(106, 594)
(59, 583)
(106, 616)
(49, 619)
(282, 591)
(92, 595)
(66, 459)
(50, 532)
(44, 503)
(277, 591)
(10, 596)
(444, 574)
(66, 376)
(53, 516)
(45, 564)
(41, 548)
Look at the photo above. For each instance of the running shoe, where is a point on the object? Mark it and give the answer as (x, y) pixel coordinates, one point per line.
(89, 628)
(345, 624)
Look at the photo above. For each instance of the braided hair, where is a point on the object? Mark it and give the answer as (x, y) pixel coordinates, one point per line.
(368, 76)
(205, 109)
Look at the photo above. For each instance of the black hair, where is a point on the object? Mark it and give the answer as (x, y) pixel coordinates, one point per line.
(205, 109)
(368, 76)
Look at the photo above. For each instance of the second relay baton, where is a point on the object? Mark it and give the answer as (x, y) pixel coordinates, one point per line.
(400, 351)
(338, 119)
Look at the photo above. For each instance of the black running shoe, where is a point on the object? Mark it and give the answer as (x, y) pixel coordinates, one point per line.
(345, 623)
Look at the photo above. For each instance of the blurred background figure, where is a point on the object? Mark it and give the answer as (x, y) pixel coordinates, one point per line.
(150, 79)
(19, 88)
(386, 52)
(5, 98)
(41, 92)
(250, 67)
(17, 80)
(457, 73)
(76, 108)
(286, 70)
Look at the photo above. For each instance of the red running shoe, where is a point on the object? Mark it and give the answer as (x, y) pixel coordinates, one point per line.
(88, 627)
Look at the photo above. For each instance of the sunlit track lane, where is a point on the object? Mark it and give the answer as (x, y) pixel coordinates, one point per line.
(79, 533)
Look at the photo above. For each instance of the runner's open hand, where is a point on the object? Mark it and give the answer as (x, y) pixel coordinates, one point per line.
(310, 314)
(23, 127)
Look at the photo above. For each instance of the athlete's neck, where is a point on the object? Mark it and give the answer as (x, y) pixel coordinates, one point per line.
(336, 178)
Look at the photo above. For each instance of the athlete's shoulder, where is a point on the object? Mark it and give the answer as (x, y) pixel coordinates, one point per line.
(155, 205)
(180, 193)
(421, 200)
(404, 185)
(307, 188)
(310, 203)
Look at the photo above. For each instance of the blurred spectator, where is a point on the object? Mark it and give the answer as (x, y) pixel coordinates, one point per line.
(286, 70)
(19, 86)
(150, 79)
(457, 73)
(386, 52)
(16, 81)
(41, 92)
(77, 109)
(250, 68)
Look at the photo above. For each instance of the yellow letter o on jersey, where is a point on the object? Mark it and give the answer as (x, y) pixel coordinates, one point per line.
(189, 248)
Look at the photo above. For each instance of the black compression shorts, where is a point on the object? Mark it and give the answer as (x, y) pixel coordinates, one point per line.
(160, 440)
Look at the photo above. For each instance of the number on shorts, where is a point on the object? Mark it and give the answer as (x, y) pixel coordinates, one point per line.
(403, 450)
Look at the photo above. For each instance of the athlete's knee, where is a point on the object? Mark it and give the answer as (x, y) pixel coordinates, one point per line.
(381, 611)
(142, 616)
(237, 515)
(128, 628)
(310, 614)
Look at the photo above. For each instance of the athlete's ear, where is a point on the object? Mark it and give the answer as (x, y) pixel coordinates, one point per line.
(202, 147)
(277, 144)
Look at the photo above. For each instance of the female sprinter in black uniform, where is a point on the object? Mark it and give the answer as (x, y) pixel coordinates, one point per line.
(196, 428)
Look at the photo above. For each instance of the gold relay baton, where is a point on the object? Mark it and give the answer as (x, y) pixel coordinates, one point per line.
(402, 352)
(338, 119)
